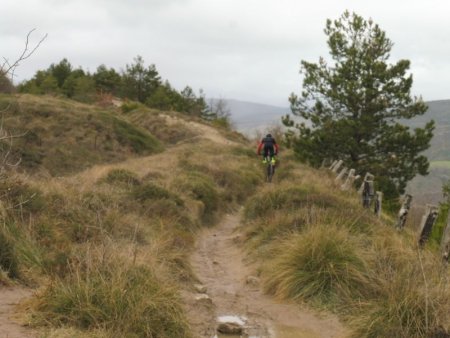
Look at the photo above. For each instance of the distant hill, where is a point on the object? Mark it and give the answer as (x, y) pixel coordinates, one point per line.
(428, 189)
(250, 116)
(439, 111)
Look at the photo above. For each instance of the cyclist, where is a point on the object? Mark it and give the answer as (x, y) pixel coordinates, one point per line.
(270, 147)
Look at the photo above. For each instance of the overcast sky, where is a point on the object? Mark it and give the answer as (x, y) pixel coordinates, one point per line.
(235, 49)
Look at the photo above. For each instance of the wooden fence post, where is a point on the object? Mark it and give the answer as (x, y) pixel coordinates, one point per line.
(367, 193)
(350, 180)
(378, 203)
(337, 166)
(367, 177)
(403, 212)
(445, 241)
(324, 162)
(333, 164)
(428, 220)
(340, 176)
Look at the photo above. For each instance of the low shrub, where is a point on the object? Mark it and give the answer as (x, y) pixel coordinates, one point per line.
(203, 189)
(127, 107)
(139, 140)
(150, 191)
(21, 198)
(121, 177)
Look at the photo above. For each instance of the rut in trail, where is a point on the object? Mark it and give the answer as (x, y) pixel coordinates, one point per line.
(219, 264)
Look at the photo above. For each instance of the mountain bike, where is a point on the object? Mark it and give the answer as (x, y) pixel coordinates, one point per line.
(270, 170)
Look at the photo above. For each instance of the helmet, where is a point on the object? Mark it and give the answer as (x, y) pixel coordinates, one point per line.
(269, 135)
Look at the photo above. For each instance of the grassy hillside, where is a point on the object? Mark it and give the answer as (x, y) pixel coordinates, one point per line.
(64, 136)
(107, 246)
(315, 244)
(106, 242)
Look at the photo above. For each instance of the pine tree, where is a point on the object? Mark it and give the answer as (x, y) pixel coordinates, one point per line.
(355, 108)
(107, 80)
(61, 71)
(138, 82)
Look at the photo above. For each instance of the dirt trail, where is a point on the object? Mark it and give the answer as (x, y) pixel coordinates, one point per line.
(203, 131)
(10, 327)
(219, 264)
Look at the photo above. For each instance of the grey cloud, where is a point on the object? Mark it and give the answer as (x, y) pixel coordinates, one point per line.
(247, 50)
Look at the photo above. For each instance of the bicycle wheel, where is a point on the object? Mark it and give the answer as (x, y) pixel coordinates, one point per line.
(270, 171)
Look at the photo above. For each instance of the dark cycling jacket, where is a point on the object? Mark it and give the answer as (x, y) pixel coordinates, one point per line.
(268, 142)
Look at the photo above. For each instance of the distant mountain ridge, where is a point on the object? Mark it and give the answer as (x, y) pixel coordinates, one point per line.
(251, 116)
(428, 189)
(439, 111)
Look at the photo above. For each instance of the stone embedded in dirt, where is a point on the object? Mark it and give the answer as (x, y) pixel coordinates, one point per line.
(252, 281)
(231, 325)
(200, 288)
(230, 328)
(203, 299)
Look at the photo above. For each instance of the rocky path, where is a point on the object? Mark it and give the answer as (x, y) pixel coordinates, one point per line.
(10, 327)
(233, 290)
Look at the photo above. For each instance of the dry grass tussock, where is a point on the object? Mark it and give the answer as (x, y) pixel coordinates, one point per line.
(107, 293)
(317, 245)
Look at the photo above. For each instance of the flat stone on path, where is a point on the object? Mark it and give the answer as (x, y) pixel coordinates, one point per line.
(230, 328)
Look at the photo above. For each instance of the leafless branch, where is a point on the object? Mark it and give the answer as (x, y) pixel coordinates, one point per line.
(9, 68)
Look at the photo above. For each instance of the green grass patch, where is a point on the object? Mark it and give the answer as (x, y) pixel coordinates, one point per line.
(440, 164)
(203, 189)
(150, 191)
(127, 134)
(121, 177)
(127, 107)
